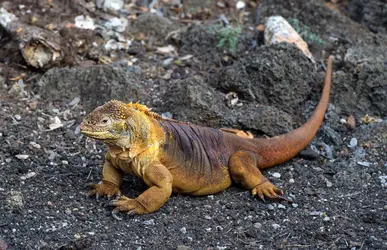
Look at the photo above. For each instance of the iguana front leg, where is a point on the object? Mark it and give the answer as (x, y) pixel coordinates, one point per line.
(159, 180)
(111, 181)
(243, 169)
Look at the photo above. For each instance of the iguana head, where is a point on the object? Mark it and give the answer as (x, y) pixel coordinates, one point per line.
(120, 124)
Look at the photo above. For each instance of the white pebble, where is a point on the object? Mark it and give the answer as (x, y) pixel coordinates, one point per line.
(183, 230)
(22, 157)
(258, 225)
(280, 206)
(275, 226)
(295, 205)
(35, 145)
(18, 117)
(291, 180)
(240, 5)
(276, 175)
(364, 163)
(352, 143)
(149, 222)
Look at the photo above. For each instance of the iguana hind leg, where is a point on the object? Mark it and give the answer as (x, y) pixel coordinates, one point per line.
(240, 133)
(243, 170)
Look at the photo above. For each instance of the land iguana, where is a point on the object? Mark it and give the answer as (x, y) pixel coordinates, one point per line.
(173, 156)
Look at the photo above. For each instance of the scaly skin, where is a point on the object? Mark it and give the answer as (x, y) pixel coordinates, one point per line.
(172, 156)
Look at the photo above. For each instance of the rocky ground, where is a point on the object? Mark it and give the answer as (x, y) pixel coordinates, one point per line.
(168, 56)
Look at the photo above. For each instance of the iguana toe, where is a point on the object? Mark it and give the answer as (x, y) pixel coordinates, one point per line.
(131, 206)
(104, 189)
(267, 189)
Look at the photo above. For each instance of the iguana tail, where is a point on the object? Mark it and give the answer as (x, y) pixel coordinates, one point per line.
(278, 149)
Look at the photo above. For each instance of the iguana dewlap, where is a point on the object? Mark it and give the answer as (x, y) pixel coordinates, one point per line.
(172, 156)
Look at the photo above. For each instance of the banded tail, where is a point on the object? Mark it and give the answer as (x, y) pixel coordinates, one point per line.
(279, 149)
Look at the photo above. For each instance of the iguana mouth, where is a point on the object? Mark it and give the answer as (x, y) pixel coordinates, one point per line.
(99, 135)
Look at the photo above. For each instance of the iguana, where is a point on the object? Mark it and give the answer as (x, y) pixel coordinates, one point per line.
(172, 156)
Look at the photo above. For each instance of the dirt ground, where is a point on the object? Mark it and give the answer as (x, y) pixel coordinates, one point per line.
(338, 184)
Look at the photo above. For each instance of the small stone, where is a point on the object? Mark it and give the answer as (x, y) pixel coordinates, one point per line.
(22, 157)
(276, 175)
(364, 163)
(343, 121)
(258, 225)
(167, 62)
(309, 154)
(291, 181)
(278, 30)
(15, 200)
(67, 211)
(77, 236)
(35, 145)
(182, 247)
(28, 175)
(326, 218)
(351, 123)
(183, 230)
(270, 207)
(84, 22)
(328, 183)
(295, 205)
(352, 143)
(110, 5)
(117, 24)
(150, 222)
(275, 226)
(240, 5)
(207, 206)
(64, 162)
(18, 117)
(373, 238)
(315, 213)
(207, 217)
(280, 206)
(3, 245)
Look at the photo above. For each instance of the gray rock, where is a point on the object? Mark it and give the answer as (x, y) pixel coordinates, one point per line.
(203, 105)
(95, 85)
(264, 77)
(153, 25)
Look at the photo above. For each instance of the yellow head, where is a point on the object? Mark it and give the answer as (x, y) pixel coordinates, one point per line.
(120, 124)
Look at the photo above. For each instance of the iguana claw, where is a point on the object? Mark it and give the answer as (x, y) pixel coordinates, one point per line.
(104, 189)
(267, 189)
(131, 206)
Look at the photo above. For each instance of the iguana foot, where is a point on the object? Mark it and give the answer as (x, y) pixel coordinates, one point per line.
(104, 189)
(132, 206)
(267, 189)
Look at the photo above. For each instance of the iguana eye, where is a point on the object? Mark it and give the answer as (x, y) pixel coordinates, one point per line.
(105, 121)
